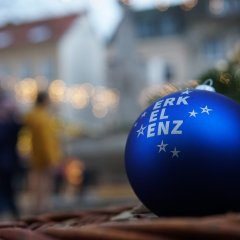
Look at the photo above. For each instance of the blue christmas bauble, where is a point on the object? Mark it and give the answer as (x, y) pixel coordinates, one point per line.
(182, 155)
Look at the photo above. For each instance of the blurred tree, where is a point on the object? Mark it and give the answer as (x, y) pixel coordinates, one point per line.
(226, 77)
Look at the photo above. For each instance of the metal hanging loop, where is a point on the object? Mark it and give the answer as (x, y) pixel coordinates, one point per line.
(207, 86)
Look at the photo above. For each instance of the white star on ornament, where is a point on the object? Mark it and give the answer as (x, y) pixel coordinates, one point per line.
(175, 153)
(144, 114)
(162, 146)
(206, 110)
(186, 92)
(193, 113)
(140, 130)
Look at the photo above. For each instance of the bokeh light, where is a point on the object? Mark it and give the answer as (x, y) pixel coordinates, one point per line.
(216, 6)
(78, 97)
(26, 90)
(74, 171)
(162, 6)
(189, 5)
(99, 110)
(57, 91)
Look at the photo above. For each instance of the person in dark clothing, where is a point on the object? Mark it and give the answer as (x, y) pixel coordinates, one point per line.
(9, 160)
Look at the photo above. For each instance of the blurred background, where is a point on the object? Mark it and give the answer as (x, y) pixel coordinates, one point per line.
(102, 62)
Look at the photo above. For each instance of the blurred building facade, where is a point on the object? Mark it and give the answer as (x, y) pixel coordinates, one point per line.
(155, 48)
(62, 53)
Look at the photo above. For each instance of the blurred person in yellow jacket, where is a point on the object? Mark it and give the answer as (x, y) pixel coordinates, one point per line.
(45, 154)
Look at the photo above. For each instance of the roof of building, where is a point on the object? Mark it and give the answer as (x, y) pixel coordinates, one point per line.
(35, 32)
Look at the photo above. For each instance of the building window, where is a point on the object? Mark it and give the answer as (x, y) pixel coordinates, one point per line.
(158, 71)
(153, 23)
(169, 72)
(168, 25)
(214, 49)
(6, 39)
(39, 34)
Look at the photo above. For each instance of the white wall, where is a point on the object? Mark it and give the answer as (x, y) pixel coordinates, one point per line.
(81, 54)
(81, 59)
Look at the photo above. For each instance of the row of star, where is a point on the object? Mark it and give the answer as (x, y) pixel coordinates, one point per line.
(204, 110)
(162, 147)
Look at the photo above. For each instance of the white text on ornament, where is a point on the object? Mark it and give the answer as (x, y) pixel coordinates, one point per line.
(154, 114)
(171, 102)
(164, 128)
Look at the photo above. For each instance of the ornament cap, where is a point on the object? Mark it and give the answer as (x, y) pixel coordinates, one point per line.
(207, 86)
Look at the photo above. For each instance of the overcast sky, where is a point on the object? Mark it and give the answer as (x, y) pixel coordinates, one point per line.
(104, 14)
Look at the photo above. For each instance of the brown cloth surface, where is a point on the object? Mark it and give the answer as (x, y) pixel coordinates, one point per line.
(120, 224)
